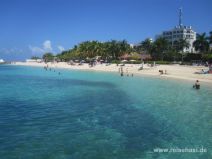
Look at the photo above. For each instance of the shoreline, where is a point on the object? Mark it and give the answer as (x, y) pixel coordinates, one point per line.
(176, 72)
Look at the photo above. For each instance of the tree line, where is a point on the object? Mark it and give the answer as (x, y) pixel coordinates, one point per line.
(160, 50)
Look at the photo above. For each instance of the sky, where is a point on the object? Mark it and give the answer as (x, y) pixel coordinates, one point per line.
(32, 27)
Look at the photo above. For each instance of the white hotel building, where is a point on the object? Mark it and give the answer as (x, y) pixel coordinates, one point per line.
(180, 32)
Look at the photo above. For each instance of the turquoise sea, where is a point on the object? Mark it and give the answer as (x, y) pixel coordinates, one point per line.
(95, 115)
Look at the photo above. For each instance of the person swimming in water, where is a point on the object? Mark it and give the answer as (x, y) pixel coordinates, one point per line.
(196, 85)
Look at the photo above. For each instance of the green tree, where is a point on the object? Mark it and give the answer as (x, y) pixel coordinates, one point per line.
(35, 57)
(124, 48)
(201, 44)
(160, 48)
(210, 37)
(146, 46)
(115, 49)
(48, 57)
(68, 55)
(180, 45)
(89, 49)
(111, 48)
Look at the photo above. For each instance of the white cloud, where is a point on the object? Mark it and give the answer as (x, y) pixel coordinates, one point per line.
(36, 50)
(8, 51)
(47, 45)
(60, 48)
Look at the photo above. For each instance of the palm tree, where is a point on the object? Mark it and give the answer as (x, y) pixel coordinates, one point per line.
(201, 44)
(180, 45)
(47, 57)
(115, 49)
(88, 49)
(124, 47)
(111, 48)
(183, 43)
(147, 46)
(35, 57)
(160, 48)
(210, 37)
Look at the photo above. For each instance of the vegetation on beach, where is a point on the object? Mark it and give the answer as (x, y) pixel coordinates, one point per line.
(47, 57)
(35, 58)
(159, 50)
(90, 49)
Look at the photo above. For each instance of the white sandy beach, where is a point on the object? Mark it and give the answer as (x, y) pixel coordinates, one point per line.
(173, 71)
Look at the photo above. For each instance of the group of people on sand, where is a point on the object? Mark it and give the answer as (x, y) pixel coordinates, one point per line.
(162, 72)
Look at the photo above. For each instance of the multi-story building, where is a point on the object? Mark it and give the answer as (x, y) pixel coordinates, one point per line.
(180, 32)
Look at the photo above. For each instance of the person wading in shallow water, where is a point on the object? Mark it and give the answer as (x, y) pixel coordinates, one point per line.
(122, 72)
(196, 85)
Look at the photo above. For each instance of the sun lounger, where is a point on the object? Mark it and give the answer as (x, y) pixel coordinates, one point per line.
(202, 72)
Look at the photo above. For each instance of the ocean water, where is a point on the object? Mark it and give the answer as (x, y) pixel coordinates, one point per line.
(95, 115)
